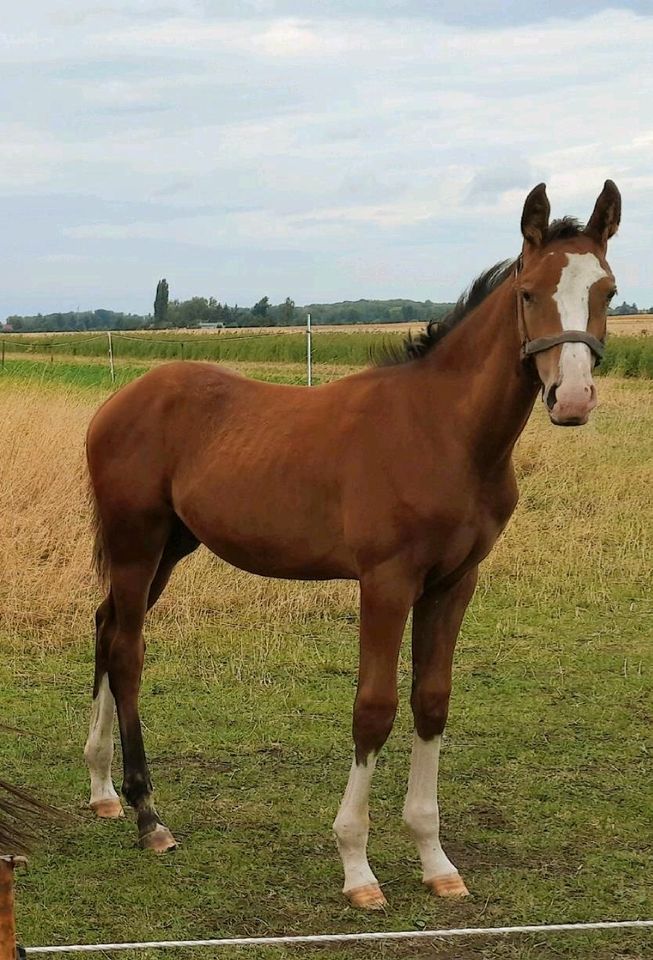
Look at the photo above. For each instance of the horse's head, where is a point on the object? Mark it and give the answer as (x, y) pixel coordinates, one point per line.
(564, 286)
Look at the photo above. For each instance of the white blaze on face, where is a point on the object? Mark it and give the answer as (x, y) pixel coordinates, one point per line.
(572, 299)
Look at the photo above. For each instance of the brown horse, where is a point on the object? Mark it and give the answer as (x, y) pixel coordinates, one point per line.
(399, 477)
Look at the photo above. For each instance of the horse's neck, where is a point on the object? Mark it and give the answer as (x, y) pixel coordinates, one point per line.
(494, 392)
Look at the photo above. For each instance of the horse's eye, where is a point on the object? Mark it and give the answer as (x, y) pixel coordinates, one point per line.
(611, 295)
(526, 296)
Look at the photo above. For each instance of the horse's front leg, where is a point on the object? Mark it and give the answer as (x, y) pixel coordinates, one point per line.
(437, 617)
(384, 611)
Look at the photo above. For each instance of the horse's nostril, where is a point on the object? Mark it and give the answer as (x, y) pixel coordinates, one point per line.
(551, 397)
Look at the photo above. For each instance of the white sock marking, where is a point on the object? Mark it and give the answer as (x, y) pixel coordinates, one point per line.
(421, 813)
(351, 826)
(572, 299)
(98, 751)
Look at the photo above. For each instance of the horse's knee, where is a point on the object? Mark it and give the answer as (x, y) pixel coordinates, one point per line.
(430, 710)
(373, 719)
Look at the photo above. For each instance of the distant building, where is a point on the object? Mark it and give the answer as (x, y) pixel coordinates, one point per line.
(212, 326)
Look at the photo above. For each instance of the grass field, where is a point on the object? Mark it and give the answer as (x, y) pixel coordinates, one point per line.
(627, 355)
(546, 792)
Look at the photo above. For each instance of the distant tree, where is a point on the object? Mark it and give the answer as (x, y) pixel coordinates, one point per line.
(625, 310)
(261, 308)
(194, 311)
(287, 312)
(161, 304)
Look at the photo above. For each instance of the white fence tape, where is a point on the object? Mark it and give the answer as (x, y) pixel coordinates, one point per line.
(324, 938)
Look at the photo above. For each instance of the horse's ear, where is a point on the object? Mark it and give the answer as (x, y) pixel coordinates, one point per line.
(535, 218)
(605, 219)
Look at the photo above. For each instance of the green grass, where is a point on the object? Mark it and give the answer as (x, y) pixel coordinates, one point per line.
(63, 373)
(629, 357)
(269, 346)
(545, 791)
(625, 356)
(96, 374)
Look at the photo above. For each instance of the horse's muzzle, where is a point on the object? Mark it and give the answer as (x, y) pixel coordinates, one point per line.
(570, 406)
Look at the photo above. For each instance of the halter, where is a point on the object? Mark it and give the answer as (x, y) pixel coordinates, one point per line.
(530, 347)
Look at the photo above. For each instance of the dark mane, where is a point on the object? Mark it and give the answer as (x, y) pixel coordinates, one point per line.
(564, 229)
(415, 347)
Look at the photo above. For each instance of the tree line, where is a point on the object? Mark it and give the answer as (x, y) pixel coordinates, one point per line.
(198, 311)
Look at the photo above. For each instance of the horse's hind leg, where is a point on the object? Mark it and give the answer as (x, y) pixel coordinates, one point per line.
(136, 584)
(98, 751)
(130, 586)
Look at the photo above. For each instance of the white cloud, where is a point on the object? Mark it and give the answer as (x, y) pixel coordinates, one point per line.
(352, 140)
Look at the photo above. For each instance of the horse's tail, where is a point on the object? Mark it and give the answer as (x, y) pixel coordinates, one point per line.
(100, 557)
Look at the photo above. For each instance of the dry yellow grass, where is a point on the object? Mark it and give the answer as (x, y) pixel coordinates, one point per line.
(631, 325)
(582, 529)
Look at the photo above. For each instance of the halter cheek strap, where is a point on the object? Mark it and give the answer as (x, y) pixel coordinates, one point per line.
(530, 347)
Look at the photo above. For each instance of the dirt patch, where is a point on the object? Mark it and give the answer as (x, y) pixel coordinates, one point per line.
(489, 816)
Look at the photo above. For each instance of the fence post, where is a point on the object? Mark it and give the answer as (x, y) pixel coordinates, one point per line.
(7, 911)
(113, 372)
(309, 351)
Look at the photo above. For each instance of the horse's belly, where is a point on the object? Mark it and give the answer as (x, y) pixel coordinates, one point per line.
(271, 542)
(280, 559)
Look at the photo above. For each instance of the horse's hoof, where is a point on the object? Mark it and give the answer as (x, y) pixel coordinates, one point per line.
(368, 897)
(159, 840)
(109, 809)
(449, 885)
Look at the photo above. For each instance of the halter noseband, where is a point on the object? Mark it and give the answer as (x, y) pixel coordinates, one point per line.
(530, 347)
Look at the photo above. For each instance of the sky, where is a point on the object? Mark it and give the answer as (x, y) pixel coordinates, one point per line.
(318, 150)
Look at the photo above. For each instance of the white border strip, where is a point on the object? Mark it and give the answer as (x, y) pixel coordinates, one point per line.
(349, 937)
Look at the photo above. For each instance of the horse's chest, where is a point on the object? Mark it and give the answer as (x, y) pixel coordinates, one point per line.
(463, 529)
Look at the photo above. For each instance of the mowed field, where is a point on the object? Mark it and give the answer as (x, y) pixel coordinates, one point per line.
(546, 774)
(627, 325)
